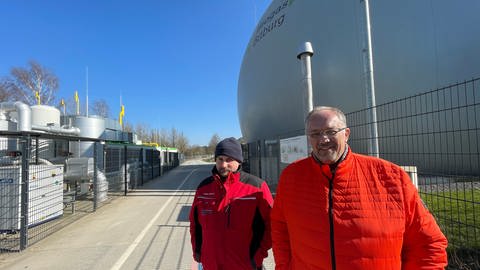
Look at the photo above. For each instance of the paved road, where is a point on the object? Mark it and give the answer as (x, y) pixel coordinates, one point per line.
(148, 229)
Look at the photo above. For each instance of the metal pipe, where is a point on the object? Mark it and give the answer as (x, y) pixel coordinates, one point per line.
(125, 161)
(370, 85)
(95, 175)
(305, 53)
(86, 101)
(23, 111)
(57, 129)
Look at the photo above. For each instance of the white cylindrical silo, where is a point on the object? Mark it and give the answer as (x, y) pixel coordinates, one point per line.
(43, 115)
(90, 127)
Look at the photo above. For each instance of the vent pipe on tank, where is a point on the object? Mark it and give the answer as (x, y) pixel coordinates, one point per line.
(305, 54)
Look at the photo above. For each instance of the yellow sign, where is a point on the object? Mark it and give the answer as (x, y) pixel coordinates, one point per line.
(122, 113)
(76, 96)
(37, 96)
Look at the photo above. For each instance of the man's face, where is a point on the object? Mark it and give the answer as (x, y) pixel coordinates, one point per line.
(327, 135)
(226, 165)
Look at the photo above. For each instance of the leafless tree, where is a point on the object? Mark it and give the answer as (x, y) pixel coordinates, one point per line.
(182, 143)
(142, 131)
(173, 136)
(154, 136)
(213, 143)
(196, 150)
(163, 140)
(24, 83)
(127, 126)
(5, 95)
(101, 108)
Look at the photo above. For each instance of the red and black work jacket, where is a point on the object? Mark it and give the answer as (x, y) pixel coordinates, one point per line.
(230, 222)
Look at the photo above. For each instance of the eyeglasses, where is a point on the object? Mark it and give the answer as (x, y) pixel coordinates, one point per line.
(330, 133)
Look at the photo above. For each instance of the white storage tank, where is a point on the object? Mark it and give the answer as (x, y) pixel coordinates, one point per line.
(417, 46)
(90, 127)
(43, 115)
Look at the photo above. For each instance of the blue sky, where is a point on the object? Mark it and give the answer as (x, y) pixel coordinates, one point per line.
(174, 63)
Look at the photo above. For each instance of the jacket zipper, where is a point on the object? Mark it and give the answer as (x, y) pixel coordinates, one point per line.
(330, 217)
(227, 210)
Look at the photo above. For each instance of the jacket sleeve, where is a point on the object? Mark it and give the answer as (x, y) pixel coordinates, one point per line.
(280, 237)
(264, 207)
(424, 245)
(195, 231)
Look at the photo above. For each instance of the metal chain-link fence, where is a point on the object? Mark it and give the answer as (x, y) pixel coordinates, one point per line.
(436, 135)
(48, 181)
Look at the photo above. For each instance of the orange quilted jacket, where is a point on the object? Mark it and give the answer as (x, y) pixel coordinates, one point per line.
(365, 215)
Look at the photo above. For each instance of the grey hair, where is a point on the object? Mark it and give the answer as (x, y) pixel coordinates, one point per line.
(338, 112)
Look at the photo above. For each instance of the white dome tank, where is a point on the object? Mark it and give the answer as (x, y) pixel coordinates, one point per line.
(417, 46)
(43, 115)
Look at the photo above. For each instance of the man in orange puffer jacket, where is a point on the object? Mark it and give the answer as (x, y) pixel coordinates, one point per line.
(341, 210)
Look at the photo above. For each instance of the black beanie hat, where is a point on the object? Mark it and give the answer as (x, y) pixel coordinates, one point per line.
(229, 147)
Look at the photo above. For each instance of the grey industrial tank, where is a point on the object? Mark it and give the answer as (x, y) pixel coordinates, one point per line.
(417, 46)
(90, 127)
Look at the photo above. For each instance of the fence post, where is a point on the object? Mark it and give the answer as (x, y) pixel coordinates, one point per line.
(125, 159)
(412, 172)
(279, 170)
(36, 149)
(95, 181)
(25, 141)
(259, 154)
(141, 164)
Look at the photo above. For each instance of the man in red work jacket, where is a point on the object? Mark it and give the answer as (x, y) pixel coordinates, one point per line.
(340, 210)
(230, 215)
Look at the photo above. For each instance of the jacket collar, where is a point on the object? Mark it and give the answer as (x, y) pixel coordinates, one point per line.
(333, 167)
(342, 158)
